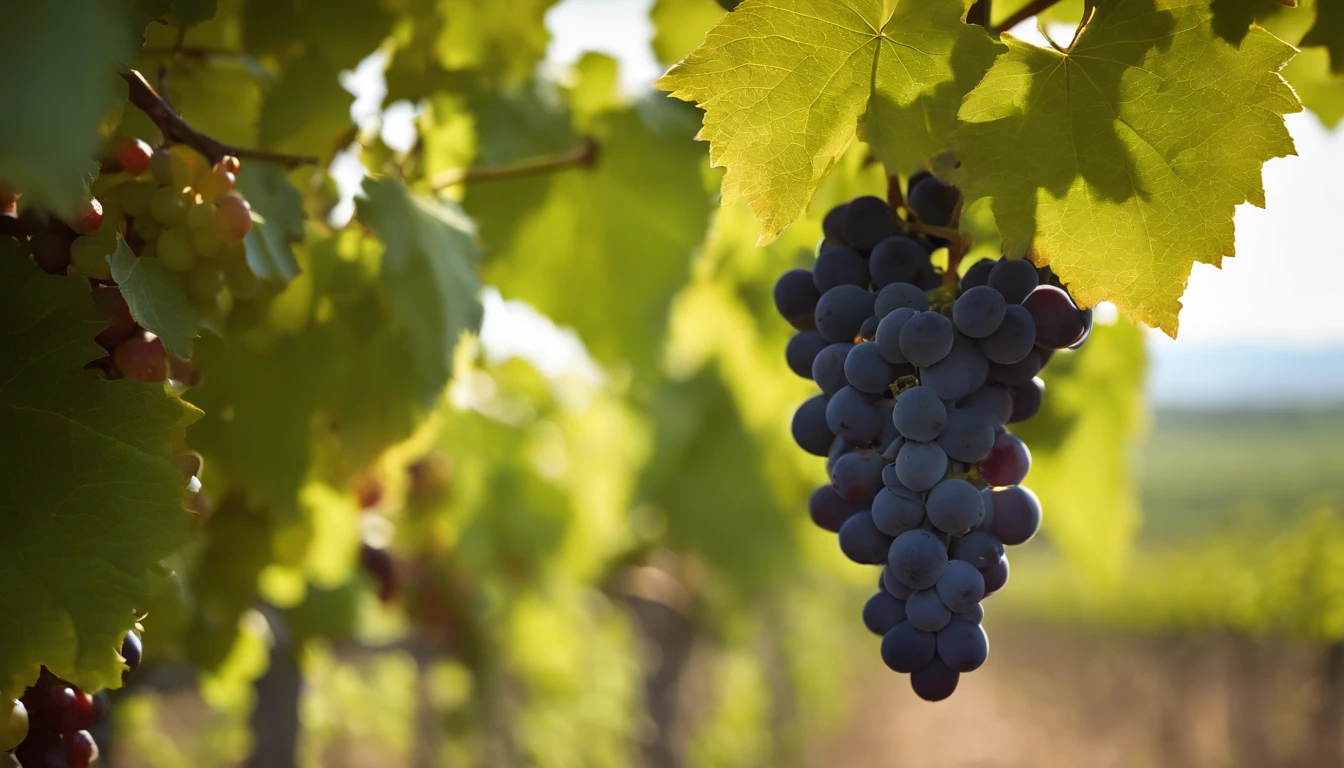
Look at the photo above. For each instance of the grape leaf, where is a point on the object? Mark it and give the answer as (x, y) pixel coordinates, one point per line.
(680, 25)
(623, 233)
(307, 109)
(61, 64)
(429, 273)
(92, 500)
(270, 250)
(220, 98)
(708, 477)
(507, 36)
(1232, 19)
(785, 84)
(1115, 162)
(1328, 31)
(1081, 446)
(157, 299)
(343, 31)
(187, 13)
(1319, 90)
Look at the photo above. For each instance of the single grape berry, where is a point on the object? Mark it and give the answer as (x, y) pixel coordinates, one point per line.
(926, 338)
(852, 415)
(168, 206)
(979, 311)
(1014, 278)
(833, 225)
(802, 351)
(919, 414)
(81, 749)
(796, 298)
(933, 201)
(1017, 515)
(839, 265)
(133, 154)
(925, 611)
(1008, 462)
(897, 259)
(233, 220)
(883, 612)
(906, 649)
(862, 542)
(828, 511)
(934, 682)
(977, 275)
(1058, 321)
(89, 218)
(809, 426)
(132, 650)
(868, 220)
(141, 359)
(841, 312)
(897, 295)
(13, 724)
(1026, 400)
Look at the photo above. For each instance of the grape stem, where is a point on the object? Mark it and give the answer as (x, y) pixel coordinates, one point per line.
(894, 196)
(175, 129)
(582, 156)
(1027, 11)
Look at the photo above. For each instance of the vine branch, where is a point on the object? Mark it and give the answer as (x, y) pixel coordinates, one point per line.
(175, 129)
(1026, 12)
(582, 156)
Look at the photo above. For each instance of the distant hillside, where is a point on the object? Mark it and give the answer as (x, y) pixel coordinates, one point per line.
(1241, 467)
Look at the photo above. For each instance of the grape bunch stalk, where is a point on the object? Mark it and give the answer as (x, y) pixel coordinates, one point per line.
(49, 726)
(920, 378)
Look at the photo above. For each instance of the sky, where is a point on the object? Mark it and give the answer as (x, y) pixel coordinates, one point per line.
(1274, 307)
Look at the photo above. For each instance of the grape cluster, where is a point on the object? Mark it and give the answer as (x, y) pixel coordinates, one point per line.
(171, 205)
(49, 726)
(919, 378)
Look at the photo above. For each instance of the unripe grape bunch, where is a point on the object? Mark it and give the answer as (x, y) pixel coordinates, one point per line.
(920, 377)
(171, 205)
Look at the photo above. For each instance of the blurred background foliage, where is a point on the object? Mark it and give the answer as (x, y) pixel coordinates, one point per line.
(598, 523)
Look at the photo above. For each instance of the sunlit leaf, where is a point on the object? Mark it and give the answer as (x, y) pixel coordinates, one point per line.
(93, 501)
(786, 83)
(1078, 150)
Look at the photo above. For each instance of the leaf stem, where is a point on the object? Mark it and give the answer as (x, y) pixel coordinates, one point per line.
(1027, 11)
(582, 156)
(175, 129)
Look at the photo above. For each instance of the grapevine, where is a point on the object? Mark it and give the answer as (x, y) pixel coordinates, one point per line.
(920, 376)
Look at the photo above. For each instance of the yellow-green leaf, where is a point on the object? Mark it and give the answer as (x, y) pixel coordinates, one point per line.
(786, 83)
(1120, 161)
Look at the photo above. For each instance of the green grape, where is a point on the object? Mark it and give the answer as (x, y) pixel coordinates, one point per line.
(136, 196)
(147, 228)
(201, 216)
(204, 281)
(13, 725)
(88, 254)
(161, 168)
(174, 249)
(244, 285)
(204, 242)
(169, 206)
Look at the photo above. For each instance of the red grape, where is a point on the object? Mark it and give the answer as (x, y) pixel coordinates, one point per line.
(134, 155)
(142, 359)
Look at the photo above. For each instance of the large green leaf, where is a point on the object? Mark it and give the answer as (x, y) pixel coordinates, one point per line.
(429, 274)
(785, 84)
(270, 243)
(1115, 161)
(708, 479)
(343, 31)
(1081, 446)
(603, 250)
(61, 58)
(1328, 31)
(92, 499)
(679, 26)
(505, 36)
(157, 298)
(307, 110)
